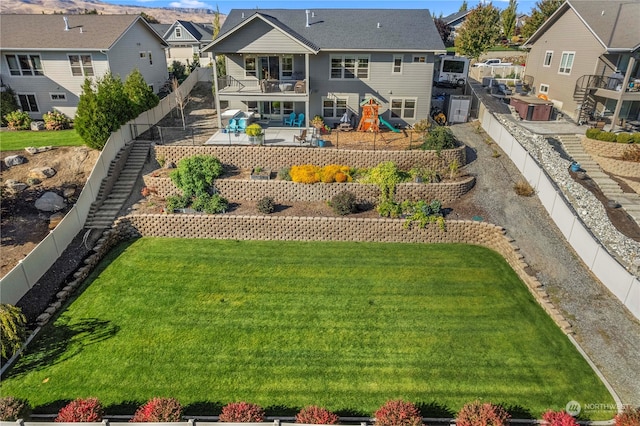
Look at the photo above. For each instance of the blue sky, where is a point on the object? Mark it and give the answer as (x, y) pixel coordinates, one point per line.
(444, 7)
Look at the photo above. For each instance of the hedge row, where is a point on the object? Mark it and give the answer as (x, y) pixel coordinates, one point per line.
(613, 137)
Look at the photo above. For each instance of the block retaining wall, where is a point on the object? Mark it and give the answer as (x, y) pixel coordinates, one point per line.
(277, 157)
(284, 228)
(604, 149)
(285, 191)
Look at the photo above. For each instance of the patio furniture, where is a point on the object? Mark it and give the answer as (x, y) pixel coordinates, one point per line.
(289, 121)
(242, 124)
(233, 125)
(302, 138)
(299, 87)
(299, 121)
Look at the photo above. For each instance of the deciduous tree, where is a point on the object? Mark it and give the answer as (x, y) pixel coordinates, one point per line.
(443, 29)
(479, 31)
(463, 7)
(543, 10)
(508, 19)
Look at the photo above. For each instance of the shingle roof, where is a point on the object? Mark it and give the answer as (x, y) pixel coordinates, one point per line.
(455, 16)
(161, 29)
(47, 32)
(350, 29)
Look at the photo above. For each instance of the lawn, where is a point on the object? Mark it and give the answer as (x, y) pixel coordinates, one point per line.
(16, 140)
(287, 324)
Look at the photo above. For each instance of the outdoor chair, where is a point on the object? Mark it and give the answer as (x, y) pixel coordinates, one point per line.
(242, 124)
(299, 121)
(233, 125)
(302, 138)
(289, 121)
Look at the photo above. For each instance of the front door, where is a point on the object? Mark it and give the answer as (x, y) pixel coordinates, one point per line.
(269, 67)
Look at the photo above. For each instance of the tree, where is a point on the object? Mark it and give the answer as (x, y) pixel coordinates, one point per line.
(12, 329)
(216, 22)
(543, 10)
(479, 31)
(179, 99)
(508, 19)
(463, 7)
(8, 103)
(443, 29)
(150, 19)
(139, 93)
(195, 62)
(178, 70)
(221, 66)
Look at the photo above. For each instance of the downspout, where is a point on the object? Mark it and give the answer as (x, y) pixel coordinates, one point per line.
(216, 96)
(307, 90)
(623, 90)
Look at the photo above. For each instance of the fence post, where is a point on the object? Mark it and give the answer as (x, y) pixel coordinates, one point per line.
(193, 139)
(160, 135)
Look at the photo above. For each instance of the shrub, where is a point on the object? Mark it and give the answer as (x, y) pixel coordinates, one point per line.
(486, 414)
(632, 153)
(629, 417)
(306, 173)
(242, 412)
(389, 208)
(636, 137)
(524, 188)
(179, 70)
(81, 410)
(423, 213)
(195, 175)
(266, 205)
(607, 136)
(177, 202)
(328, 173)
(344, 203)
(210, 204)
(139, 93)
(283, 174)
(253, 130)
(55, 120)
(18, 120)
(12, 329)
(624, 138)
(12, 409)
(386, 176)
(8, 103)
(159, 410)
(314, 415)
(397, 413)
(593, 133)
(560, 418)
(439, 138)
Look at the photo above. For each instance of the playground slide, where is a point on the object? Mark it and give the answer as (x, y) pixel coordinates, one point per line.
(386, 123)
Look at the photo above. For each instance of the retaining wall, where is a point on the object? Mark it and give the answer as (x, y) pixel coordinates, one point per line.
(604, 149)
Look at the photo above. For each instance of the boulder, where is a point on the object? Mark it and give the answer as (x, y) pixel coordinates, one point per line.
(14, 160)
(14, 185)
(33, 150)
(169, 165)
(50, 202)
(68, 191)
(42, 173)
(55, 219)
(37, 125)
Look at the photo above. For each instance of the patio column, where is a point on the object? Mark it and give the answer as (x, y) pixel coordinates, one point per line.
(307, 90)
(216, 96)
(625, 84)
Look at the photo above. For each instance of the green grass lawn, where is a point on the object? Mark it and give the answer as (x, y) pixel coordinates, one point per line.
(15, 140)
(286, 324)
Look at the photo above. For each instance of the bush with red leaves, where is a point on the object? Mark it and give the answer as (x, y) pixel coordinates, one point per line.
(242, 412)
(560, 418)
(315, 415)
(159, 410)
(398, 413)
(629, 417)
(477, 413)
(81, 410)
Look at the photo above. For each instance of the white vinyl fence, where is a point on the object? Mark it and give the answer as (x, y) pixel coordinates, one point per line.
(25, 274)
(614, 276)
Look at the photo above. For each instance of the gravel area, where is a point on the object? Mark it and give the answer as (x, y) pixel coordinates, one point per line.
(604, 328)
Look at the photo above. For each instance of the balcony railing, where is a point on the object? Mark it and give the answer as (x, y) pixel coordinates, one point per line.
(609, 83)
(228, 84)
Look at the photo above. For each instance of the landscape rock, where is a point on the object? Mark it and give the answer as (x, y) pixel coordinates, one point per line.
(33, 181)
(37, 125)
(33, 150)
(42, 173)
(15, 186)
(50, 202)
(14, 160)
(55, 219)
(68, 191)
(169, 165)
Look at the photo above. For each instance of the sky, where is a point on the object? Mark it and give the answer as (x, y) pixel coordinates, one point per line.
(444, 7)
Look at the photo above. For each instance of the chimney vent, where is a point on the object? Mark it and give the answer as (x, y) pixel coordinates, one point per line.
(313, 14)
(307, 13)
(66, 23)
(242, 15)
(378, 24)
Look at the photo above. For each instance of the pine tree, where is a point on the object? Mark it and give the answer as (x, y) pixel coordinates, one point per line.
(479, 31)
(139, 93)
(12, 329)
(464, 6)
(544, 9)
(508, 19)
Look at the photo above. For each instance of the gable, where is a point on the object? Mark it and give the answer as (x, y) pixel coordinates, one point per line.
(185, 35)
(259, 36)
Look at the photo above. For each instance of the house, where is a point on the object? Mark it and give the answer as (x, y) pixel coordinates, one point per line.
(327, 62)
(185, 39)
(585, 59)
(46, 58)
(455, 21)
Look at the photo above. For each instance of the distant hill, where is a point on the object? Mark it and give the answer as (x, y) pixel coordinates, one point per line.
(165, 15)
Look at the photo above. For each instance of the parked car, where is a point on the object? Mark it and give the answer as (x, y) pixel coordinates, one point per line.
(492, 63)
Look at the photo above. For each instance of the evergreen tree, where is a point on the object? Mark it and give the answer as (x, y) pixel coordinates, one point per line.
(479, 32)
(12, 329)
(543, 10)
(464, 6)
(85, 122)
(216, 22)
(8, 103)
(508, 19)
(139, 93)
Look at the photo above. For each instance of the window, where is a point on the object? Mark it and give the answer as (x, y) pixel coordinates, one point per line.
(547, 58)
(60, 97)
(544, 88)
(566, 62)
(178, 32)
(143, 55)
(286, 69)
(397, 64)
(403, 108)
(24, 64)
(28, 102)
(419, 59)
(81, 65)
(250, 67)
(333, 107)
(349, 67)
(150, 58)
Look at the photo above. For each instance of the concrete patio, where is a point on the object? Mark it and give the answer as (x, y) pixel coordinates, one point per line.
(273, 135)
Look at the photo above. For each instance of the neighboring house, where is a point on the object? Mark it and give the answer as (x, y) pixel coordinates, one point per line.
(185, 39)
(327, 62)
(46, 58)
(575, 54)
(455, 21)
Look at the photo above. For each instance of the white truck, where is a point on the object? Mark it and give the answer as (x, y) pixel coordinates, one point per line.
(492, 63)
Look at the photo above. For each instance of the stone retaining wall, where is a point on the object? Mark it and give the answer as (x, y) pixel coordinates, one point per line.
(604, 149)
(283, 191)
(277, 157)
(263, 227)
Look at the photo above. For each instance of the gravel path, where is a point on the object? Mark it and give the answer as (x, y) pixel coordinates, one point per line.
(604, 328)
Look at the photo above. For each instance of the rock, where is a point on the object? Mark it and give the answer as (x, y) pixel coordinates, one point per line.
(55, 219)
(37, 125)
(50, 202)
(33, 150)
(15, 186)
(169, 165)
(14, 160)
(42, 173)
(68, 191)
(34, 181)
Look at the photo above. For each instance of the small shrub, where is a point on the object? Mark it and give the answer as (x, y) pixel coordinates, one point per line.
(283, 174)
(242, 412)
(253, 130)
(328, 173)
(266, 205)
(306, 173)
(159, 410)
(524, 188)
(593, 133)
(624, 138)
(18, 120)
(477, 413)
(389, 208)
(398, 413)
(8, 104)
(210, 204)
(607, 136)
(560, 418)
(344, 203)
(195, 175)
(81, 410)
(145, 192)
(55, 120)
(422, 126)
(12, 409)
(12, 329)
(636, 138)
(423, 213)
(177, 202)
(314, 415)
(629, 417)
(439, 138)
(632, 153)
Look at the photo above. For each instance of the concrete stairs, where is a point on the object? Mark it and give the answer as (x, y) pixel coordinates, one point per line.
(630, 202)
(116, 188)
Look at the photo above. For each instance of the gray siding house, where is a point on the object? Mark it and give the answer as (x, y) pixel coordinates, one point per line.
(326, 62)
(46, 68)
(185, 39)
(584, 58)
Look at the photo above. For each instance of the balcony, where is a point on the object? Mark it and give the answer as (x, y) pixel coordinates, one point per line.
(230, 87)
(608, 87)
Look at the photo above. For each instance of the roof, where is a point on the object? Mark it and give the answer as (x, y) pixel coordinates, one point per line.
(47, 32)
(612, 22)
(347, 29)
(450, 19)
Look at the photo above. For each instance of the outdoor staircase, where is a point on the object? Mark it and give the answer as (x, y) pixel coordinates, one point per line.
(116, 188)
(630, 202)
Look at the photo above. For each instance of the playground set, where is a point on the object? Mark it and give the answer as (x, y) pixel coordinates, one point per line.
(370, 121)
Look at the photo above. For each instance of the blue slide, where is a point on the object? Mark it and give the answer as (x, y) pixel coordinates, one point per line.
(386, 123)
